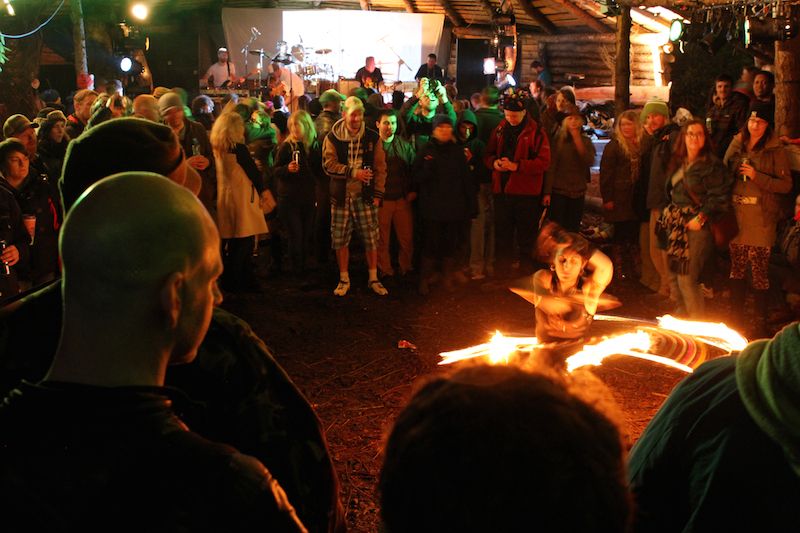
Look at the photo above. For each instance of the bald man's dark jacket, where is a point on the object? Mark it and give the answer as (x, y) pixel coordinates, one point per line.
(235, 393)
(77, 457)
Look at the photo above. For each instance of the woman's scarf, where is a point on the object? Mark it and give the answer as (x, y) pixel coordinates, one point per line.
(673, 222)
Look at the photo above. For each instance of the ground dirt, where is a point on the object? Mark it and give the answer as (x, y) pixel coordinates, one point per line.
(343, 354)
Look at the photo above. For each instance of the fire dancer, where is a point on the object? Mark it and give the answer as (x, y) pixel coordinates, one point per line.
(566, 295)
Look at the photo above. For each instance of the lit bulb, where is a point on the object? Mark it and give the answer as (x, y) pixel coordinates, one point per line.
(140, 11)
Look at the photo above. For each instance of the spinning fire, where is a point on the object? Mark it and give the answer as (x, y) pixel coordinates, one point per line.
(682, 344)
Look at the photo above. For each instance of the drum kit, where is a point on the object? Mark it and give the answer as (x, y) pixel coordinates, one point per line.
(311, 64)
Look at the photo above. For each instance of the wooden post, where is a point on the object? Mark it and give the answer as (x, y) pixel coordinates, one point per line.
(787, 86)
(410, 7)
(78, 38)
(622, 73)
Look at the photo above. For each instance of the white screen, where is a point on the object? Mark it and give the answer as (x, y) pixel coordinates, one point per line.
(351, 35)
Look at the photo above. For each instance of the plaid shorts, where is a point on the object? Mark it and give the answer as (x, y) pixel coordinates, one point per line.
(366, 220)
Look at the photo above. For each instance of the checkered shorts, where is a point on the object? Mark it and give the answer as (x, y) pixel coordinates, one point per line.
(365, 217)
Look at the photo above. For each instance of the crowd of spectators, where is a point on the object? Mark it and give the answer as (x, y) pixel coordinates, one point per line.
(88, 194)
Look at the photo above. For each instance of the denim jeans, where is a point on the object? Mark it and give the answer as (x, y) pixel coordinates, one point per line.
(687, 286)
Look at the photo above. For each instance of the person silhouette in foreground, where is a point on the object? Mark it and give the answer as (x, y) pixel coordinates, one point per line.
(234, 391)
(97, 442)
(497, 448)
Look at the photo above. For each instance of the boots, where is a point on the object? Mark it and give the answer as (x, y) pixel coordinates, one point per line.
(426, 266)
(736, 311)
(759, 328)
(448, 270)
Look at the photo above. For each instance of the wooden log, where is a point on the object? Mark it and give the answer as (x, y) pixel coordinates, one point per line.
(787, 86)
(622, 75)
(487, 7)
(364, 5)
(410, 7)
(452, 13)
(583, 16)
(537, 16)
(78, 38)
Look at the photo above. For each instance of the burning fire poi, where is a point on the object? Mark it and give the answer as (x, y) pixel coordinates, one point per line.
(636, 344)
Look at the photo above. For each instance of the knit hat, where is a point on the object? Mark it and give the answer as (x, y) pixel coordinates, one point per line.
(515, 100)
(114, 146)
(440, 119)
(768, 379)
(158, 92)
(655, 106)
(16, 124)
(56, 116)
(169, 101)
(764, 111)
(331, 95)
(359, 92)
(353, 103)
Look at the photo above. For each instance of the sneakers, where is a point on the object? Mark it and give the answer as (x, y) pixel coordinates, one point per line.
(378, 288)
(342, 288)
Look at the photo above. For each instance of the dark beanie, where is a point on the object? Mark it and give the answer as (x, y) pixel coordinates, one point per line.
(440, 119)
(120, 145)
(764, 111)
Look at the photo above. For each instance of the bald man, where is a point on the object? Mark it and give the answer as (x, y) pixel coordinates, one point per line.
(96, 443)
(146, 106)
(236, 392)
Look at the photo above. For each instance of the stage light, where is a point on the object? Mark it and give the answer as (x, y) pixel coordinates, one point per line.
(510, 80)
(489, 66)
(747, 35)
(676, 30)
(125, 64)
(9, 8)
(140, 11)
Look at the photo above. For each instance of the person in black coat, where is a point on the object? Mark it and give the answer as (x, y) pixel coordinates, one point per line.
(447, 199)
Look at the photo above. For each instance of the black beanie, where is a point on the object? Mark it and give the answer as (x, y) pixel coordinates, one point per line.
(119, 145)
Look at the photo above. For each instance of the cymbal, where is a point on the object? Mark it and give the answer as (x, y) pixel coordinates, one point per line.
(257, 52)
(323, 51)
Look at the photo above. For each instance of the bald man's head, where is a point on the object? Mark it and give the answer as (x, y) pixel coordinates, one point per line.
(130, 238)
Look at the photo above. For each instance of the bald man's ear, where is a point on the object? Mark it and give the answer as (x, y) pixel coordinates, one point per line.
(172, 298)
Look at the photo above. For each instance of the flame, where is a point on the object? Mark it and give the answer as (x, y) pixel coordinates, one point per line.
(625, 344)
(715, 334)
(636, 344)
(498, 350)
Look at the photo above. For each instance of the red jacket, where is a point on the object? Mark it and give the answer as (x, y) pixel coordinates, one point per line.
(532, 155)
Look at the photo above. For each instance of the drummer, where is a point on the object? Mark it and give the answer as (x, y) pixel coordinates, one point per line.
(370, 76)
(220, 74)
(284, 82)
(566, 295)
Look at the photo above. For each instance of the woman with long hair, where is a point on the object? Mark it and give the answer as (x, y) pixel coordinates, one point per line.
(239, 215)
(53, 142)
(565, 183)
(619, 172)
(756, 156)
(298, 163)
(700, 191)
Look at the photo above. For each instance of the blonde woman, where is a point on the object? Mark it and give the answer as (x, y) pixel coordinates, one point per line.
(619, 173)
(239, 215)
(298, 164)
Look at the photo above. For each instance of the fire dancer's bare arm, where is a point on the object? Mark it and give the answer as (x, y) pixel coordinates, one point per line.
(602, 270)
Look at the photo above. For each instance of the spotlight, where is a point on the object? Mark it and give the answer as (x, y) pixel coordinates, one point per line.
(676, 30)
(489, 65)
(510, 80)
(140, 11)
(9, 8)
(126, 64)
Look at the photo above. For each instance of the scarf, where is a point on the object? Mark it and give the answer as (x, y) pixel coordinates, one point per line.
(673, 222)
(768, 379)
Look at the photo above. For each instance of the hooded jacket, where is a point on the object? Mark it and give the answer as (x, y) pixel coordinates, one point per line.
(532, 154)
(343, 154)
(474, 148)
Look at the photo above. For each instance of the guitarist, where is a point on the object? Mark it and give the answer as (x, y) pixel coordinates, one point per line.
(283, 82)
(222, 73)
(369, 76)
